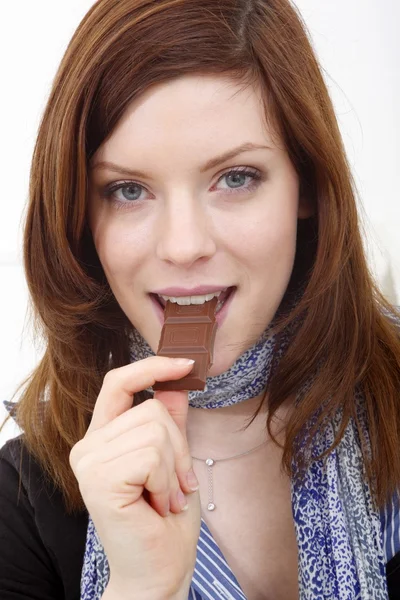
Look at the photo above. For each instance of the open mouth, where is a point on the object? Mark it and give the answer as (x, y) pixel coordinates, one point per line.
(222, 298)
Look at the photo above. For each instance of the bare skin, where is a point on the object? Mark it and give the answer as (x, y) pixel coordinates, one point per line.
(251, 492)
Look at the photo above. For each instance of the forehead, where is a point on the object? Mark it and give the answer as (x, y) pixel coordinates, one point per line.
(189, 115)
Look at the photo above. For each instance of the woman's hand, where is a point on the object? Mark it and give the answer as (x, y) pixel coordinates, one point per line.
(131, 466)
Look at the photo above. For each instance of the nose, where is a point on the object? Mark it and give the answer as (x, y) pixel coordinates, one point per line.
(185, 232)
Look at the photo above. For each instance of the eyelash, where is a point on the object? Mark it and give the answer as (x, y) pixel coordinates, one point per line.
(255, 175)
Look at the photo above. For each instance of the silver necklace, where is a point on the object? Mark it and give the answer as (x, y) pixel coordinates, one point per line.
(210, 462)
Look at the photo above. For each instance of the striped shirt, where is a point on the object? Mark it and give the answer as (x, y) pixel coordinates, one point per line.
(214, 580)
(390, 521)
(212, 577)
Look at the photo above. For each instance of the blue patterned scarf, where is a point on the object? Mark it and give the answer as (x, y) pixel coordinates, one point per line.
(337, 525)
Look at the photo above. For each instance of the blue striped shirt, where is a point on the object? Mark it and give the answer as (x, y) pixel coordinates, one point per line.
(390, 522)
(212, 577)
(214, 580)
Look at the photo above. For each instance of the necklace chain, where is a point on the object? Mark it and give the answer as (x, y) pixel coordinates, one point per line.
(210, 462)
(231, 457)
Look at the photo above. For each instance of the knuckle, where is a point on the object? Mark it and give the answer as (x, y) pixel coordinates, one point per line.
(158, 432)
(183, 454)
(183, 459)
(154, 457)
(109, 376)
(183, 464)
(158, 408)
(84, 465)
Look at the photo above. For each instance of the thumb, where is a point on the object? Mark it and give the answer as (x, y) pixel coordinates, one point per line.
(177, 404)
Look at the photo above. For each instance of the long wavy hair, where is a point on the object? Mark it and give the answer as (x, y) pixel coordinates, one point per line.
(120, 49)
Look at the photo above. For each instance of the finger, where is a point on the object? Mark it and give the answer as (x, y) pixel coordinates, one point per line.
(174, 503)
(151, 434)
(151, 412)
(120, 483)
(177, 405)
(160, 486)
(119, 385)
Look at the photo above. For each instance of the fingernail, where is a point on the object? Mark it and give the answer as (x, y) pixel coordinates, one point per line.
(182, 361)
(182, 500)
(192, 481)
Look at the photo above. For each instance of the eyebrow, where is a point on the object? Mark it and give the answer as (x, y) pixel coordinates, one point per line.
(211, 164)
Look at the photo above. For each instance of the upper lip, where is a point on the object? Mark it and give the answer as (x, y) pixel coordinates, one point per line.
(200, 290)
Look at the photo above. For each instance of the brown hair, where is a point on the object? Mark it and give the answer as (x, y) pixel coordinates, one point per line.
(120, 49)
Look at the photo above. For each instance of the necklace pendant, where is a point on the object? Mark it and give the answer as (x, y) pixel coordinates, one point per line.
(210, 464)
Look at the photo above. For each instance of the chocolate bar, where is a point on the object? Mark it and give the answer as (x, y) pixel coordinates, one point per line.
(188, 332)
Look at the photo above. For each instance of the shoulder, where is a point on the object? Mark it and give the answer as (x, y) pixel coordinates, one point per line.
(11, 450)
(13, 470)
(21, 473)
(36, 527)
(18, 465)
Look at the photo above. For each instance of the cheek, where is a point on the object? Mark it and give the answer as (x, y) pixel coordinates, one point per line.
(119, 248)
(269, 239)
(278, 244)
(266, 230)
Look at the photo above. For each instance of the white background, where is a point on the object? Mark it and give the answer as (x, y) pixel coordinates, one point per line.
(358, 45)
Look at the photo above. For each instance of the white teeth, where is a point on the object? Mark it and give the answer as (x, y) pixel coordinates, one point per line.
(185, 300)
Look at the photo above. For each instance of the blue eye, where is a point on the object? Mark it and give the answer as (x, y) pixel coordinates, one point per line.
(236, 178)
(239, 176)
(130, 191)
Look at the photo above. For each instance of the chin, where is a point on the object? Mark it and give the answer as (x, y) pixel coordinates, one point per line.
(219, 367)
(222, 361)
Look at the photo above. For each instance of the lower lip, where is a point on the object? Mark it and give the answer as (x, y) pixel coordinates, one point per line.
(219, 317)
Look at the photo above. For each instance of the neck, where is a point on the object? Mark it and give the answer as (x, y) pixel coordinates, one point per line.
(221, 431)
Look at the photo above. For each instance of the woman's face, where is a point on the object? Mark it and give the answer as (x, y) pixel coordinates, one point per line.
(166, 211)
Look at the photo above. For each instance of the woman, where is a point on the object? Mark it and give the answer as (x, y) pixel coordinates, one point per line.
(190, 149)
